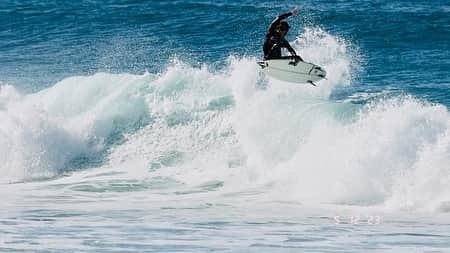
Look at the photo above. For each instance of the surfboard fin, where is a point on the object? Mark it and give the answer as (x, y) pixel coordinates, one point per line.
(313, 84)
(262, 64)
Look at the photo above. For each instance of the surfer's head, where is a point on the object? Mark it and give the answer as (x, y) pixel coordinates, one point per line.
(283, 28)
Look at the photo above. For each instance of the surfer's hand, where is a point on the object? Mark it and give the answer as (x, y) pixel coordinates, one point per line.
(295, 11)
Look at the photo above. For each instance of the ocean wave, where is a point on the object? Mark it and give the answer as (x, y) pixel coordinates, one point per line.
(238, 129)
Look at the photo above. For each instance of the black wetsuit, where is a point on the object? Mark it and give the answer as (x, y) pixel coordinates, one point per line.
(274, 42)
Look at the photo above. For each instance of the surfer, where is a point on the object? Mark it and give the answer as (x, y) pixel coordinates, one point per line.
(275, 39)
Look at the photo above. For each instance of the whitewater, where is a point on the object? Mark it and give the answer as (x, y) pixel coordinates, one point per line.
(195, 158)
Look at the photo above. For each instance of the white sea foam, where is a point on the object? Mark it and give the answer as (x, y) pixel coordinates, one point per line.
(43, 132)
(234, 127)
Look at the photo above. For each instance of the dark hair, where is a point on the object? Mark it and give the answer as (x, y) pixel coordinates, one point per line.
(283, 26)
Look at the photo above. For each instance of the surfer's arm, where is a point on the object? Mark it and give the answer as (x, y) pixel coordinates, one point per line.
(277, 21)
(291, 50)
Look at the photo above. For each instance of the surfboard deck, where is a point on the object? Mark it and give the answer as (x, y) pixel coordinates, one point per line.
(286, 70)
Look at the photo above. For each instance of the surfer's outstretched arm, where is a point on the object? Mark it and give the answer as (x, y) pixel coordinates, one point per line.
(277, 20)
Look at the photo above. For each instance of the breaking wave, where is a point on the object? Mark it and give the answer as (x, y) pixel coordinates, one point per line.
(238, 128)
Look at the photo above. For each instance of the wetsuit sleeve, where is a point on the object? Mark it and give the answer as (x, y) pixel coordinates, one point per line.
(277, 21)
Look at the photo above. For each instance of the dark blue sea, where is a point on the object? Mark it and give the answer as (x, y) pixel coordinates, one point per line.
(147, 126)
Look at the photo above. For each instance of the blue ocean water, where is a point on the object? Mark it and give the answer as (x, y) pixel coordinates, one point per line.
(146, 126)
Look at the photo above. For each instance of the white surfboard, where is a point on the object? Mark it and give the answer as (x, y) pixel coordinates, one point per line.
(286, 70)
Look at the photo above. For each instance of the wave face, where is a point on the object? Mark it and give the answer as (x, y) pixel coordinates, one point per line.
(233, 129)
